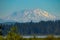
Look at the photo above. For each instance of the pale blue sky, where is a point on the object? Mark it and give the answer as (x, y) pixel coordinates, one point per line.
(10, 6)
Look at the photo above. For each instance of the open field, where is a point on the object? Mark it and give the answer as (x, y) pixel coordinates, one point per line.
(18, 37)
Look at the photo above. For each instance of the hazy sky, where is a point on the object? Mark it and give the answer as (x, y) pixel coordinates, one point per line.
(10, 6)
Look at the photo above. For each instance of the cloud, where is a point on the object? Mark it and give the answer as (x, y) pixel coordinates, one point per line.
(35, 15)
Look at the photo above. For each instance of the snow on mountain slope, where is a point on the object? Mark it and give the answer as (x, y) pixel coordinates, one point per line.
(27, 15)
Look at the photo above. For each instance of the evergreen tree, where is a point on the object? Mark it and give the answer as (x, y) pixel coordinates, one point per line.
(0, 29)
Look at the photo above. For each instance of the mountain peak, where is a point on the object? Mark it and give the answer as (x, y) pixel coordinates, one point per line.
(27, 15)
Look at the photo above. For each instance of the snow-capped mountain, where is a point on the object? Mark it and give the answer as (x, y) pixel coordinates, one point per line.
(28, 15)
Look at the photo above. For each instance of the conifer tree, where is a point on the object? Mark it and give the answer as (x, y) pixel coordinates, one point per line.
(0, 29)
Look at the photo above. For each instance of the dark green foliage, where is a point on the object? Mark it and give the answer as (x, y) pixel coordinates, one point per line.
(13, 33)
(1, 29)
(29, 28)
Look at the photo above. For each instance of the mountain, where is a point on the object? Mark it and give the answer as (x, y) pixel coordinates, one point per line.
(31, 21)
(6, 21)
(28, 15)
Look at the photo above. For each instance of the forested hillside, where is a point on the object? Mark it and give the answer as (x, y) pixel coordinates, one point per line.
(30, 28)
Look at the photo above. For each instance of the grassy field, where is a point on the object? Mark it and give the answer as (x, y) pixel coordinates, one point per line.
(18, 37)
